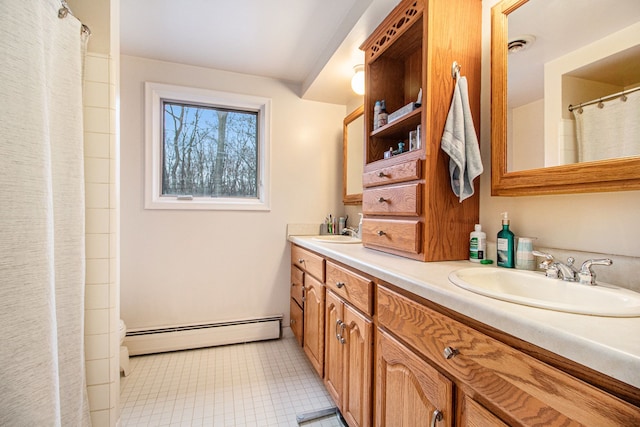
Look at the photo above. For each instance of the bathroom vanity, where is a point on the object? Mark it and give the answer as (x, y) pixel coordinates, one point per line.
(403, 345)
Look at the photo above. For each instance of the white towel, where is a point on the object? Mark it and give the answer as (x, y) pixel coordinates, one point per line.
(460, 142)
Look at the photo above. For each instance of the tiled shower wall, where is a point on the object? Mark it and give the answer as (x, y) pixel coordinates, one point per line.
(102, 224)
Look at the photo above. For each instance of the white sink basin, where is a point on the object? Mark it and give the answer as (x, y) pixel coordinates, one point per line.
(536, 290)
(336, 238)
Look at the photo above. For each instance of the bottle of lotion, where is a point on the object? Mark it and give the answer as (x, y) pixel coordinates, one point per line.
(506, 243)
(383, 115)
(477, 244)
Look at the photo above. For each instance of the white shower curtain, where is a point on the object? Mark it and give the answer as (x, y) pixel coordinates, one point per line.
(42, 371)
(609, 132)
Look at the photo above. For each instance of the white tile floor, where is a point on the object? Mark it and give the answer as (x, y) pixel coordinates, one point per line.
(256, 384)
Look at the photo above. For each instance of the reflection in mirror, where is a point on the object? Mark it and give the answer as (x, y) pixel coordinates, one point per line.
(353, 157)
(564, 53)
(580, 53)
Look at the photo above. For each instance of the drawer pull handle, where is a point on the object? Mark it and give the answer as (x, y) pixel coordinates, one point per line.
(436, 416)
(301, 260)
(381, 233)
(304, 294)
(338, 325)
(382, 200)
(343, 326)
(450, 352)
(381, 174)
(340, 285)
(293, 321)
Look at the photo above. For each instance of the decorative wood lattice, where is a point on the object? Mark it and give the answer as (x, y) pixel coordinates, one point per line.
(404, 20)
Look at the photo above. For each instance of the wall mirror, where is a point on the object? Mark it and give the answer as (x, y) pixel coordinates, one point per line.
(545, 56)
(353, 157)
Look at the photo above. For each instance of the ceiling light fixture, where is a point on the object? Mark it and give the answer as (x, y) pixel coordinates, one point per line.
(357, 81)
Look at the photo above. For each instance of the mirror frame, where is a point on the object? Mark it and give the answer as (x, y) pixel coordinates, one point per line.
(605, 175)
(356, 198)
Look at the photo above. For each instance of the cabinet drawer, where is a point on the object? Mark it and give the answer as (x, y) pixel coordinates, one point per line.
(308, 261)
(402, 172)
(402, 235)
(353, 288)
(516, 385)
(402, 200)
(297, 284)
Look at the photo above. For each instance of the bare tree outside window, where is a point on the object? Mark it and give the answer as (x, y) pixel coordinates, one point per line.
(209, 151)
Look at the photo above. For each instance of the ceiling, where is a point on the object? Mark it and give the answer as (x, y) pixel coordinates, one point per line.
(312, 44)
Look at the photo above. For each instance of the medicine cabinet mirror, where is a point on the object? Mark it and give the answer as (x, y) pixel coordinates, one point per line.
(563, 53)
(353, 157)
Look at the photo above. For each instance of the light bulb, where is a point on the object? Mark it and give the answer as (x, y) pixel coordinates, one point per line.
(357, 81)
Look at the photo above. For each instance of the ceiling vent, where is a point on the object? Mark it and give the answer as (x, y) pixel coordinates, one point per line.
(520, 43)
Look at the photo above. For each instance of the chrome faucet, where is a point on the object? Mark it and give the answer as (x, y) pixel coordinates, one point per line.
(350, 231)
(568, 272)
(586, 276)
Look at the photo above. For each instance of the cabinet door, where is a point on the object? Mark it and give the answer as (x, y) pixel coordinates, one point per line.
(334, 349)
(475, 415)
(314, 322)
(409, 391)
(296, 320)
(358, 359)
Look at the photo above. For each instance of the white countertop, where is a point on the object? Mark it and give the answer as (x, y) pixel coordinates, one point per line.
(606, 344)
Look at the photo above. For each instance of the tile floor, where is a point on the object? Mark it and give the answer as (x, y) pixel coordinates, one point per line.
(256, 384)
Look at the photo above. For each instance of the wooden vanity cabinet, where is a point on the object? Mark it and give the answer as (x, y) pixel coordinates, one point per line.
(496, 383)
(349, 343)
(408, 205)
(309, 268)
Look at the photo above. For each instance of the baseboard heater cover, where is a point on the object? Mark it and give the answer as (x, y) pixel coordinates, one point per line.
(186, 337)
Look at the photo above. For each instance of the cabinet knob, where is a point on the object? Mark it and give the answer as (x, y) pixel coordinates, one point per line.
(382, 200)
(381, 174)
(450, 352)
(381, 233)
(340, 285)
(436, 416)
(293, 321)
(301, 260)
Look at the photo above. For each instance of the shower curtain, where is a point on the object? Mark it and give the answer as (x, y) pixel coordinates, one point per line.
(42, 371)
(609, 132)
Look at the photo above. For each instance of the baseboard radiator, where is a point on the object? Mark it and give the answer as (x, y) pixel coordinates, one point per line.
(159, 340)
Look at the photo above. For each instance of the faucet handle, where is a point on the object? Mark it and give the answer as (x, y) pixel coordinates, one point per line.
(586, 275)
(548, 260)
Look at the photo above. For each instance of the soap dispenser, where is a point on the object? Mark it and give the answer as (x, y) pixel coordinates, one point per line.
(506, 243)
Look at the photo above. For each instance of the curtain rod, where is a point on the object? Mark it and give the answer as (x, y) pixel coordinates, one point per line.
(604, 98)
(66, 10)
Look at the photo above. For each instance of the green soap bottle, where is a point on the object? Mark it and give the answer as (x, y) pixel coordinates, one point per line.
(506, 244)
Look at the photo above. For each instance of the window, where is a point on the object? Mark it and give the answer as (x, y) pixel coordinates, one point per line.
(206, 149)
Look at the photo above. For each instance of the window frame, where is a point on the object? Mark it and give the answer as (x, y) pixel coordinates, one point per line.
(155, 95)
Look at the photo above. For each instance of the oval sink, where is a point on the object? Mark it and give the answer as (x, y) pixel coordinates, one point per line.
(536, 290)
(336, 238)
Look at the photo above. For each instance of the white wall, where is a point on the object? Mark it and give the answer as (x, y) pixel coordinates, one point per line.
(182, 267)
(596, 222)
(101, 193)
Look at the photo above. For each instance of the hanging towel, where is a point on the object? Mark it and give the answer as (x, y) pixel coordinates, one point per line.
(459, 141)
